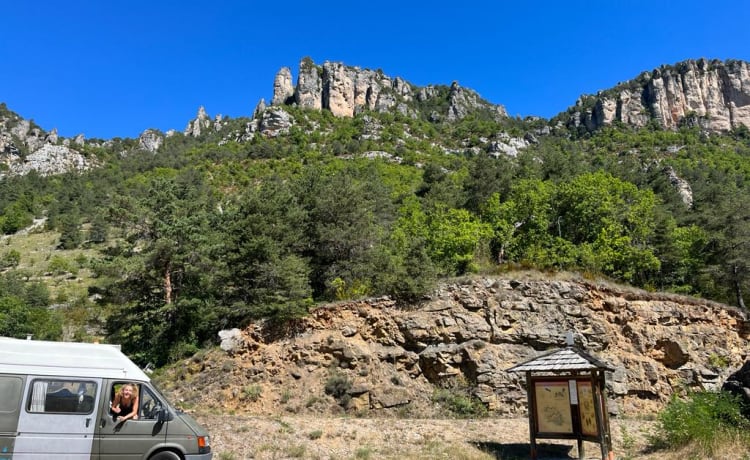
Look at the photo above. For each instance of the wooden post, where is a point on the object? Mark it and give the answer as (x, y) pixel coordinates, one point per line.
(599, 409)
(607, 433)
(532, 413)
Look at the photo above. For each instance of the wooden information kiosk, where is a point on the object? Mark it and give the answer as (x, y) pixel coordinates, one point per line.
(567, 398)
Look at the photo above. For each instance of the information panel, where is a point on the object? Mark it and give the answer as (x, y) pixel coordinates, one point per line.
(586, 409)
(553, 407)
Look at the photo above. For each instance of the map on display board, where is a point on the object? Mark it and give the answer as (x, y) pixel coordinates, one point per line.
(553, 407)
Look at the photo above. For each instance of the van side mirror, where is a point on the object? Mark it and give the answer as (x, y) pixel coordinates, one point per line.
(163, 415)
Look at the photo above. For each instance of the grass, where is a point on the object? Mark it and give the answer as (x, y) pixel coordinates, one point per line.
(430, 449)
(252, 392)
(64, 272)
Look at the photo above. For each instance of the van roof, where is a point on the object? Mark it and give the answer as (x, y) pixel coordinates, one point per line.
(66, 359)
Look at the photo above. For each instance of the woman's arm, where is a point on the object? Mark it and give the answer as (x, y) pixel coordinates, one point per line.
(115, 406)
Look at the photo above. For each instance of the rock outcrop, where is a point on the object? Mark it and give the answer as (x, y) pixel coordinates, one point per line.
(25, 147)
(47, 160)
(345, 90)
(199, 125)
(283, 89)
(739, 385)
(714, 95)
(468, 334)
(150, 140)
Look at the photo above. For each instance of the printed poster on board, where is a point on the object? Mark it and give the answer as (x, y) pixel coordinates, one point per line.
(586, 409)
(553, 407)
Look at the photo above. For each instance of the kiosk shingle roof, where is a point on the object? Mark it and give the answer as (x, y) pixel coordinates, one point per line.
(562, 360)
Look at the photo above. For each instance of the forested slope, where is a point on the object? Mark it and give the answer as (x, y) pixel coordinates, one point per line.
(189, 233)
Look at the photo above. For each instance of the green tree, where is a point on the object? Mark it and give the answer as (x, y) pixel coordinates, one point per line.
(728, 229)
(263, 273)
(612, 222)
(14, 218)
(349, 214)
(522, 225)
(70, 231)
(453, 238)
(161, 292)
(404, 268)
(10, 259)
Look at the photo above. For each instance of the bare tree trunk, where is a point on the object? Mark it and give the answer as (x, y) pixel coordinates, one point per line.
(168, 284)
(738, 287)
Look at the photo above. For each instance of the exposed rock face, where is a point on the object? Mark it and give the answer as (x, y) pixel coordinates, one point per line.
(259, 109)
(463, 101)
(150, 140)
(199, 124)
(25, 148)
(345, 90)
(713, 94)
(283, 89)
(309, 91)
(506, 145)
(274, 122)
(739, 384)
(682, 186)
(473, 332)
(270, 122)
(48, 160)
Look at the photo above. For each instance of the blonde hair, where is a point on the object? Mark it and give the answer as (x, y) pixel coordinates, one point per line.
(133, 389)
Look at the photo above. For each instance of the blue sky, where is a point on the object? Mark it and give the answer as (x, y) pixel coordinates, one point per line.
(115, 68)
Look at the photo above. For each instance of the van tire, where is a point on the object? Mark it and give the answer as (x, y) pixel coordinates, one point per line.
(165, 455)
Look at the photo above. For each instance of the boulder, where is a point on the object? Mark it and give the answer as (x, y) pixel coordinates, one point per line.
(739, 384)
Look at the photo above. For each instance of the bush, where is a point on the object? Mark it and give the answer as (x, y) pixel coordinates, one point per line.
(460, 405)
(338, 386)
(59, 265)
(706, 421)
(10, 259)
(252, 392)
(456, 397)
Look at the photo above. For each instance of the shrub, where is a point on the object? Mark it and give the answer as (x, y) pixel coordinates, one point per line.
(252, 392)
(706, 421)
(456, 397)
(338, 386)
(10, 259)
(59, 265)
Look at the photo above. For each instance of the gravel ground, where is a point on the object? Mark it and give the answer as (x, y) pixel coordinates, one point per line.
(237, 437)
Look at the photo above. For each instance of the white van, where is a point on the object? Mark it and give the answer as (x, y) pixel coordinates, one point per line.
(55, 403)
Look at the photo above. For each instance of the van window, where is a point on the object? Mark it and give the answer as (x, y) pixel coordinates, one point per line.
(150, 405)
(61, 396)
(10, 394)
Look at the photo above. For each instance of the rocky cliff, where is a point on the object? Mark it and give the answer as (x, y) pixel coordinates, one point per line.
(712, 94)
(25, 147)
(464, 338)
(345, 90)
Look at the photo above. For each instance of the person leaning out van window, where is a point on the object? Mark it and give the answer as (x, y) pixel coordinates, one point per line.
(125, 404)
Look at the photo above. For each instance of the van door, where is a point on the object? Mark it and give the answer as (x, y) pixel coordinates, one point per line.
(58, 418)
(11, 391)
(132, 439)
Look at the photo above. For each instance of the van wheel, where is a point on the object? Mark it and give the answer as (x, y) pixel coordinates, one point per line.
(165, 455)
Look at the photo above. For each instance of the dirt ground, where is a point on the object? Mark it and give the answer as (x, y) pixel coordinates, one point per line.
(237, 437)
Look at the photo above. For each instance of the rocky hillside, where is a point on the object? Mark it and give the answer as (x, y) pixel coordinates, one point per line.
(346, 90)
(371, 356)
(712, 94)
(25, 147)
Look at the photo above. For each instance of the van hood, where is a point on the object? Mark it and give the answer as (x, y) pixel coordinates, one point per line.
(190, 422)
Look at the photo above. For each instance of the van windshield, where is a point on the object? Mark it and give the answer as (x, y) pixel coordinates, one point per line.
(161, 396)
